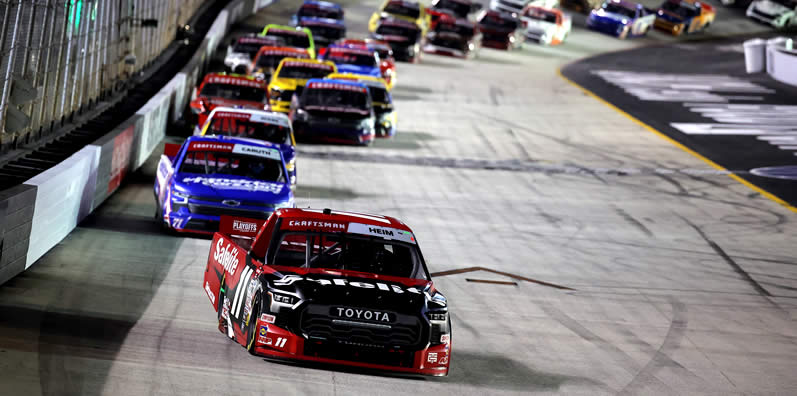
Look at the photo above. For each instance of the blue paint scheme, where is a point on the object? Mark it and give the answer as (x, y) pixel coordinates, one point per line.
(372, 71)
(612, 23)
(181, 190)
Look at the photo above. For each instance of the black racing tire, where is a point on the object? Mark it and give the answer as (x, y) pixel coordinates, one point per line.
(252, 326)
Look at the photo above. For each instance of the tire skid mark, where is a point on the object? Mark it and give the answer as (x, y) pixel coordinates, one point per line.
(736, 267)
(633, 221)
(622, 359)
(661, 357)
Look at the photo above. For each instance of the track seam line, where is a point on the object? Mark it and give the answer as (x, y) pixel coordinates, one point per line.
(764, 193)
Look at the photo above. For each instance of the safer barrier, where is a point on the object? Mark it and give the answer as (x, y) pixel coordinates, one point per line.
(37, 215)
(16, 216)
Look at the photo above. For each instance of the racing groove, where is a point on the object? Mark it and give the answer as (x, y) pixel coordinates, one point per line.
(683, 282)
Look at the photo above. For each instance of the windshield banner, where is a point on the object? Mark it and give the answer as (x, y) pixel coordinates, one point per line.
(235, 184)
(382, 232)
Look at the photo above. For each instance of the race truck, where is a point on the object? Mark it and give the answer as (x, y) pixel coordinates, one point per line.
(622, 19)
(329, 287)
(404, 38)
(516, 6)
(405, 10)
(776, 13)
(547, 26)
(325, 30)
(351, 59)
(317, 9)
(387, 63)
(290, 78)
(501, 30)
(212, 176)
(679, 17)
(386, 117)
(255, 124)
(296, 37)
(242, 50)
(453, 37)
(267, 59)
(461, 9)
(230, 90)
(334, 111)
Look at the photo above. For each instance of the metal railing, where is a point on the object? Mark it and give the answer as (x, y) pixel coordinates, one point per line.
(59, 57)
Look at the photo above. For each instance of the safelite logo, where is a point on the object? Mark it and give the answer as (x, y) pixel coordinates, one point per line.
(226, 256)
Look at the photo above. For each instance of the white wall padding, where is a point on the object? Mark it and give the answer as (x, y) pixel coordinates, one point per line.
(782, 65)
(63, 198)
(153, 130)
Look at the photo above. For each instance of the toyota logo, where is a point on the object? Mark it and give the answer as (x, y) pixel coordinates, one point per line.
(230, 202)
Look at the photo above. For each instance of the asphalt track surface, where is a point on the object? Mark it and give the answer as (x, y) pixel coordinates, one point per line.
(683, 283)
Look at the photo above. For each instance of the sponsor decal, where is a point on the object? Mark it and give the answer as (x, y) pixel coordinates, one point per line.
(264, 152)
(443, 360)
(266, 119)
(228, 114)
(250, 291)
(267, 318)
(431, 357)
(210, 146)
(244, 226)
(284, 31)
(309, 64)
(226, 256)
(384, 232)
(121, 157)
(210, 293)
(316, 224)
(243, 82)
(225, 308)
(399, 289)
(445, 338)
(236, 184)
(362, 314)
(256, 40)
(264, 340)
(263, 331)
(336, 86)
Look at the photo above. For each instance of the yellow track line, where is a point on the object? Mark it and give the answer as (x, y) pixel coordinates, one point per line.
(711, 163)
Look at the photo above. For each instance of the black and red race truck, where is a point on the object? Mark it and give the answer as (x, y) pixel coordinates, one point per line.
(329, 287)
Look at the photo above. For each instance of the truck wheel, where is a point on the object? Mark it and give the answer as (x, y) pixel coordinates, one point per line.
(252, 326)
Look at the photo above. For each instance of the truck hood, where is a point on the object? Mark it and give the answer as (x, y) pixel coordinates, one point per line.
(351, 289)
(669, 16)
(221, 187)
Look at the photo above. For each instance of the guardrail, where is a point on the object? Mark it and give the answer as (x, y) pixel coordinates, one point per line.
(38, 214)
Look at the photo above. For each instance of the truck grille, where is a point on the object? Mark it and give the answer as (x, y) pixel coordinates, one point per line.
(403, 334)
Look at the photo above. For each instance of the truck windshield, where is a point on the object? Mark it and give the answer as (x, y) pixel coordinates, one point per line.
(244, 127)
(224, 163)
(234, 92)
(341, 251)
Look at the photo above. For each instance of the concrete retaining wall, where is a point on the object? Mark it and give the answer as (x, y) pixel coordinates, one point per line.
(38, 214)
